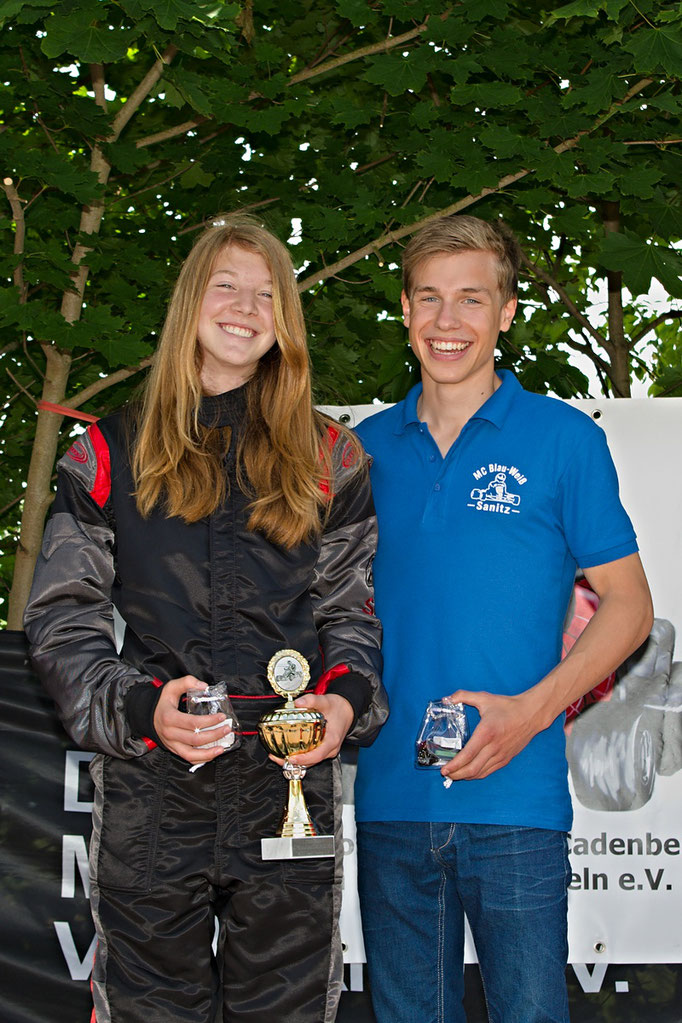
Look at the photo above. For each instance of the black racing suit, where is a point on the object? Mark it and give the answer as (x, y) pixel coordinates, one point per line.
(171, 850)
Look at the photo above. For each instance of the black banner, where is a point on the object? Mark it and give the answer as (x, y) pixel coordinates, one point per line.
(47, 932)
(47, 935)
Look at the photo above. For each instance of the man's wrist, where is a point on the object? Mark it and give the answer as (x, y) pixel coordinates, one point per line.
(543, 703)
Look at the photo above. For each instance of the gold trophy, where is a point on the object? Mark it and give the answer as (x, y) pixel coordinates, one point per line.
(286, 731)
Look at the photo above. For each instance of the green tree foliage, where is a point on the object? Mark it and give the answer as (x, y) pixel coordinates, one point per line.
(345, 124)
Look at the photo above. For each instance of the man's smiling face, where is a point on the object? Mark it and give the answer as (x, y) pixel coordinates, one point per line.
(454, 315)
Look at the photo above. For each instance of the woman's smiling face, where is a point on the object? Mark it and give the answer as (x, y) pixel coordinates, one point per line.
(236, 326)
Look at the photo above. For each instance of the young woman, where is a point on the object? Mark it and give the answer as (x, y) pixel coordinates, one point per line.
(225, 519)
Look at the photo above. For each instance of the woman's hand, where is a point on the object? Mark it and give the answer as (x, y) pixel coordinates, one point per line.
(339, 714)
(179, 732)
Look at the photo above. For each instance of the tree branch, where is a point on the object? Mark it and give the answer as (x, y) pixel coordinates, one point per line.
(392, 237)
(170, 133)
(16, 500)
(242, 209)
(103, 384)
(98, 85)
(585, 349)
(670, 388)
(20, 386)
(155, 184)
(414, 188)
(364, 51)
(38, 372)
(19, 235)
(672, 314)
(91, 216)
(616, 105)
(652, 142)
(505, 342)
(42, 124)
(10, 401)
(603, 380)
(570, 305)
(375, 163)
(328, 47)
(578, 346)
(140, 94)
(35, 196)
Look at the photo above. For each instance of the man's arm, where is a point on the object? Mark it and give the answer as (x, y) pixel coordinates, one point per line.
(619, 626)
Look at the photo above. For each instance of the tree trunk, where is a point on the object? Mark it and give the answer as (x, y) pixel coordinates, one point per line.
(620, 359)
(38, 493)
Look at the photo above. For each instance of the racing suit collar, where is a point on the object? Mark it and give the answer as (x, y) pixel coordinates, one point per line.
(227, 409)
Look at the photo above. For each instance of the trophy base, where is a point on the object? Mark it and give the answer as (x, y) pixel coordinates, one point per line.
(296, 848)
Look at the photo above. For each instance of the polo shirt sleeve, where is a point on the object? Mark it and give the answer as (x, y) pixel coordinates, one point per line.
(596, 526)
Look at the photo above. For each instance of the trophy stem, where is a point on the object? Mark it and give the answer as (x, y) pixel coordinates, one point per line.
(297, 821)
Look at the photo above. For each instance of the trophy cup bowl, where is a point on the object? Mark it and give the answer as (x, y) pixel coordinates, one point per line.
(285, 732)
(291, 730)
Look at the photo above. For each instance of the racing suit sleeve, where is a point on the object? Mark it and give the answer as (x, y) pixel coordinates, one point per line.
(343, 596)
(69, 618)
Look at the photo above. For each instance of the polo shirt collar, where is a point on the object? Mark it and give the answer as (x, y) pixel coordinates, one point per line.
(494, 410)
(408, 409)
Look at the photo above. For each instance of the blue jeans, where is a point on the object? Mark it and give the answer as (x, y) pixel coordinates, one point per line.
(417, 881)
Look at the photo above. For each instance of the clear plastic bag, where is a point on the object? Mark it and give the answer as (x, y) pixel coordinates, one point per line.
(215, 700)
(443, 733)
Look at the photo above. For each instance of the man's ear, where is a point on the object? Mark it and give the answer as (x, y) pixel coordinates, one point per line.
(507, 314)
(405, 303)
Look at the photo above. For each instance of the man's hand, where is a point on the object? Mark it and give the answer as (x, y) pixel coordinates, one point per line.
(179, 732)
(339, 714)
(508, 723)
(506, 726)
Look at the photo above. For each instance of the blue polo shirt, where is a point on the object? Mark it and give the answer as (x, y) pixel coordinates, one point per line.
(473, 575)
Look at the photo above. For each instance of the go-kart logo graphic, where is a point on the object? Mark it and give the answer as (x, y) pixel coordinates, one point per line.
(495, 496)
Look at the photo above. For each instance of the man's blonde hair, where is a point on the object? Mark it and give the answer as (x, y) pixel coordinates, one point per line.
(459, 233)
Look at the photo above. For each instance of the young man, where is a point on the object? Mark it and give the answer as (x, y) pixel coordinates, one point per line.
(488, 498)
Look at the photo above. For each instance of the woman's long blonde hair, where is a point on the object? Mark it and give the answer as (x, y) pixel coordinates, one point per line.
(281, 461)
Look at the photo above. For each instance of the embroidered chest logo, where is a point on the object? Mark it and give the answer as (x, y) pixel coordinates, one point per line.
(497, 489)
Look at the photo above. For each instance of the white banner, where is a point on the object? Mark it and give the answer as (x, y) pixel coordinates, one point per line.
(625, 763)
(625, 751)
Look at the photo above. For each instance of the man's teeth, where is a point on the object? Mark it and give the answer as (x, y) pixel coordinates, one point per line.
(230, 328)
(449, 346)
